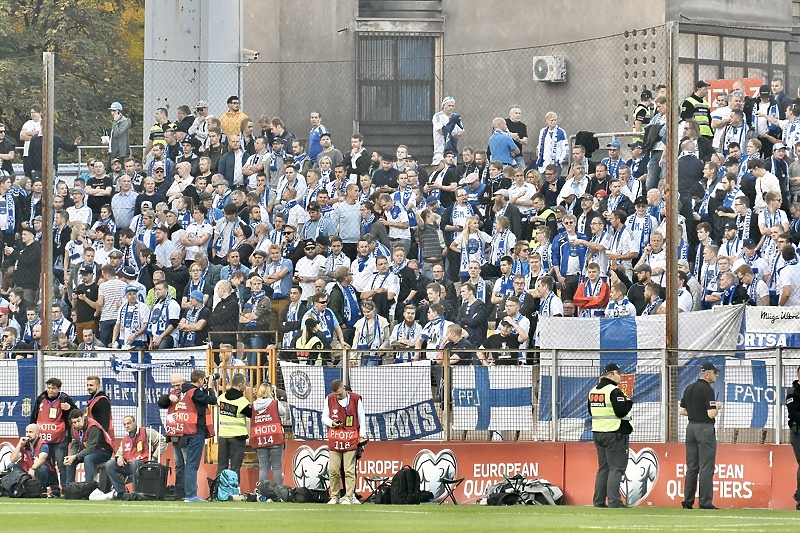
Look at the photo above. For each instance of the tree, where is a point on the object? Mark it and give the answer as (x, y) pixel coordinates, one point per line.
(99, 49)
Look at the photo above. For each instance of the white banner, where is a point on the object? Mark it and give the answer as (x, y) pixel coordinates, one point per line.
(397, 399)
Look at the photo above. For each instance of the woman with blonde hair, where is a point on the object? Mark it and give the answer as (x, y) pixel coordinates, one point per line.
(266, 433)
(471, 244)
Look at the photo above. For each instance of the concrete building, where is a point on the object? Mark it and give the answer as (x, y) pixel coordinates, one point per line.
(381, 67)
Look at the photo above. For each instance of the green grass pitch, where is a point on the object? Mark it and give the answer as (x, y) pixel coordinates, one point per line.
(41, 516)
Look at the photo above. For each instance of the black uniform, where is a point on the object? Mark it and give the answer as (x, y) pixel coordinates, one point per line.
(793, 407)
(611, 447)
(701, 443)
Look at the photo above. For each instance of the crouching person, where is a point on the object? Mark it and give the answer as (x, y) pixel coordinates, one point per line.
(137, 446)
(91, 444)
(32, 455)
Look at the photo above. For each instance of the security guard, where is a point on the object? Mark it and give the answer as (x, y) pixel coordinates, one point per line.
(699, 405)
(611, 428)
(793, 407)
(234, 410)
(696, 107)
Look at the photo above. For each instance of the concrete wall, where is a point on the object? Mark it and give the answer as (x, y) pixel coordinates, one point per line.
(596, 95)
(181, 37)
(291, 34)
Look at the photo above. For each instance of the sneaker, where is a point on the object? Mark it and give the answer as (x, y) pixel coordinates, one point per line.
(355, 501)
(333, 501)
(345, 500)
(195, 499)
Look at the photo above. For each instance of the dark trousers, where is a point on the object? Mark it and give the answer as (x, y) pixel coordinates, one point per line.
(571, 283)
(612, 458)
(701, 452)
(794, 439)
(230, 450)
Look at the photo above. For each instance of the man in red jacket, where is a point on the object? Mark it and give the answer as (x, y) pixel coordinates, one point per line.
(343, 414)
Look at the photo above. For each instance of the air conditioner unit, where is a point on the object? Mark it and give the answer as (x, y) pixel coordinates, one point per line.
(549, 68)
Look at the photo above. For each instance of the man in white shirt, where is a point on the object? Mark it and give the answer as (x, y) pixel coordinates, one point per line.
(363, 267)
(383, 288)
(307, 269)
(79, 212)
(656, 256)
(395, 217)
(765, 182)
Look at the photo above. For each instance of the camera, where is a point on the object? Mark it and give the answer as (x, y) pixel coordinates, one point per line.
(249, 55)
(211, 377)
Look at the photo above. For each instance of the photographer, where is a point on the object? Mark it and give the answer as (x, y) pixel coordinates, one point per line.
(189, 418)
(50, 412)
(344, 416)
(32, 455)
(91, 445)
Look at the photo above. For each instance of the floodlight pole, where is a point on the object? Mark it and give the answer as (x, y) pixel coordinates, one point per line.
(48, 183)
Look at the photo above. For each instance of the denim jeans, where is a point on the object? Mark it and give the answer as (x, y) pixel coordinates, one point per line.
(270, 458)
(59, 451)
(179, 451)
(116, 473)
(255, 342)
(194, 454)
(91, 461)
(654, 170)
(106, 330)
(43, 474)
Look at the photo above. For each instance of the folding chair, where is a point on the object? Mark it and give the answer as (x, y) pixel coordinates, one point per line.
(449, 486)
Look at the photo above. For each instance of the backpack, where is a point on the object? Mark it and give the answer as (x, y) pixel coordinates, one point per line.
(272, 491)
(541, 492)
(79, 490)
(503, 498)
(405, 487)
(18, 484)
(227, 485)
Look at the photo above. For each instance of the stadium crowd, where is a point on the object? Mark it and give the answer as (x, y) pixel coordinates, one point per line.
(221, 233)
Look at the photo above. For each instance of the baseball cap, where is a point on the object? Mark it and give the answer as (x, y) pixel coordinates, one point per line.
(731, 161)
(730, 225)
(131, 288)
(431, 200)
(205, 196)
(116, 106)
(644, 267)
(601, 193)
(262, 253)
(323, 240)
(163, 228)
(5, 311)
(470, 178)
(86, 271)
(201, 104)
(778, 146)
(587, 196)
(635, 144)
(613, 144)
(764, 89)
(129, 272)
(640, 200)
(115, 254)
(748, 243)
(646, 94)
(503, 193)
(79, 190)
(197, 295)
(310, 245)
(699, 84)
(708, 366)
(611, 367)
(683, 262)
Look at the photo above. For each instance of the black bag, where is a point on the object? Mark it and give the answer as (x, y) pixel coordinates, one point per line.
(306, 495)
(151, 478)
(18, 484)
(382, 494)
(405, 487)
(426, 496)
(103, 483)
(503, 498)
(275, 492)
(79, 490)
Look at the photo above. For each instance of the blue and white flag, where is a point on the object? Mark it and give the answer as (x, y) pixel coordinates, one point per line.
(492, 398)
(397, 399)
(635, 344)
(749, 397)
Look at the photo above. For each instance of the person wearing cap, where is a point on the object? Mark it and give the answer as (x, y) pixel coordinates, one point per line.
(613, 161)
(765, 181)
(118, 141)
(731, 246)
(642, 113)
(761, 108)
(307, 269)
(79, 212)
(85, 301)
(700, 406)
(193, 325)
(27, 258)
(199, 127)
(638, 162)
(610, 409)
(778, 165)
(440, 120)
(696, 108)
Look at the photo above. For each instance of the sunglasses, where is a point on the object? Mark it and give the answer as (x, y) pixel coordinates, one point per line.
(288, 233)
(159, 170)
(323, 303)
